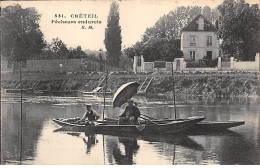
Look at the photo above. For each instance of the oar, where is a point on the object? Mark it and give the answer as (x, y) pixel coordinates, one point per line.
(149, 117)
(149, 120)
(164, 121)
(115, 119)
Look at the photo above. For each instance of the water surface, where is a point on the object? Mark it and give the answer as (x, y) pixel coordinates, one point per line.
(43, 142)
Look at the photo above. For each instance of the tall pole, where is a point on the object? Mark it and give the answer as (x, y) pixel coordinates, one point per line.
(173, 90)
(21, 124)
(105, 89)
(104, 152)
(173, 160)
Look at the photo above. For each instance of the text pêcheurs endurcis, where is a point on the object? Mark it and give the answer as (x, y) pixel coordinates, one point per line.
(75, 22)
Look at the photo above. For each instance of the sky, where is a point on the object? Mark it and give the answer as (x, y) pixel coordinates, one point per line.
(135, 17)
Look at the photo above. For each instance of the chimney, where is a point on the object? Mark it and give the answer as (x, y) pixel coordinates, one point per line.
(201, 23)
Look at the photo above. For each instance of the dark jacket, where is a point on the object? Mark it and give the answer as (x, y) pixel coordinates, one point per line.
(131, 111)
(91, 115)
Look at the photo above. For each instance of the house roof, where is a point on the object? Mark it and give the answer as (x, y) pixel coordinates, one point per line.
(153, 41)
(193, 25)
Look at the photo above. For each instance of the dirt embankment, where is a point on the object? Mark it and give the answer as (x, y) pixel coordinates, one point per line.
(211, 85)
(235, 84)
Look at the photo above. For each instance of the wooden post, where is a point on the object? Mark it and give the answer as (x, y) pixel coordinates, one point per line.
(21, 124)
(173, 89)
(105, 89)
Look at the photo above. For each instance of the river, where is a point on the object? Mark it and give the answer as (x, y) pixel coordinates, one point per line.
(43, 142)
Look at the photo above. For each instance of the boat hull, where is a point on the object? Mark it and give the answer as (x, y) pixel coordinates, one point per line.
(212, 125)
(218, 125)
(169, 127)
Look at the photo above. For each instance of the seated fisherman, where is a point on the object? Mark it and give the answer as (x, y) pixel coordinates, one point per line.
(90, 115)
(130, 115)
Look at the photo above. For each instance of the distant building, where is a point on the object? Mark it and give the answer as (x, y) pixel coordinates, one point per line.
(199, 40)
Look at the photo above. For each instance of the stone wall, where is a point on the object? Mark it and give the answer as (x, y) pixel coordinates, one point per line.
(58, 65)
(246, 65)
(180, 65)
(148, 67)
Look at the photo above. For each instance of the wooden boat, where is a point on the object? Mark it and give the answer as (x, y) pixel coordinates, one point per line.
(203, 125)
(217, 125)
(144, 127)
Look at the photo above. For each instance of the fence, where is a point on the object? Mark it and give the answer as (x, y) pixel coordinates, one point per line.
(229, 64)
(224, 64)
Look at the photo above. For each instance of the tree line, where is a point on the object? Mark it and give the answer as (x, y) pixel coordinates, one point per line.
(238, 27)
(23, 38)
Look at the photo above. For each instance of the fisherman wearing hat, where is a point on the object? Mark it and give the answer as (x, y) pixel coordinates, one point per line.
(90, 115)
(130, 115)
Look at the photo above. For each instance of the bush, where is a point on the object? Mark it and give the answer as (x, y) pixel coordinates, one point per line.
(186, 82)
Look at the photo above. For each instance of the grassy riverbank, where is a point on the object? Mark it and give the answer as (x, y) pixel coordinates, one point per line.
(235, 84)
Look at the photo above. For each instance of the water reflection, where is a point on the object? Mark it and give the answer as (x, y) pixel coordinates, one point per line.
(131, 148)
(89, 139)
(123, 147)
(43, 142)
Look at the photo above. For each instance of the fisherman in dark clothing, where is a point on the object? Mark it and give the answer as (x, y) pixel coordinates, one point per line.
(90, 115)
(130, 115)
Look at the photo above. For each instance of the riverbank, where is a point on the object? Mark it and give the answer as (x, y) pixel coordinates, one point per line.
(235, 84)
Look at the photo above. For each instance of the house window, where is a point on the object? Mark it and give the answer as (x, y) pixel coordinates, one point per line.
(209, 40)
(192, 55)
(192, 40)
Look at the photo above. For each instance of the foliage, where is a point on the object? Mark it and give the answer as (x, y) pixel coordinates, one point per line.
(169, 26)
(205, 63)
(135, 50)
(59, 48)
(96, 55)
(163, 51)
(129, 52)
(113, 39)
(76, 53)
(125, 63)
(239, 29)
(22, 36)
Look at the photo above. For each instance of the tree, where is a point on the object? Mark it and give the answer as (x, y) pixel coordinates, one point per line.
(76, 53)
(59, 48)
(113, 39)
(169, 26)
(163, 51)
(210, 14)
(21, 34)
(129, 52)
(135, 50)
(239, 29)
(125, 62)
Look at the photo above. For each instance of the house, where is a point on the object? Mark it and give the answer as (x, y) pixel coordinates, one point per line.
(199, 40)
